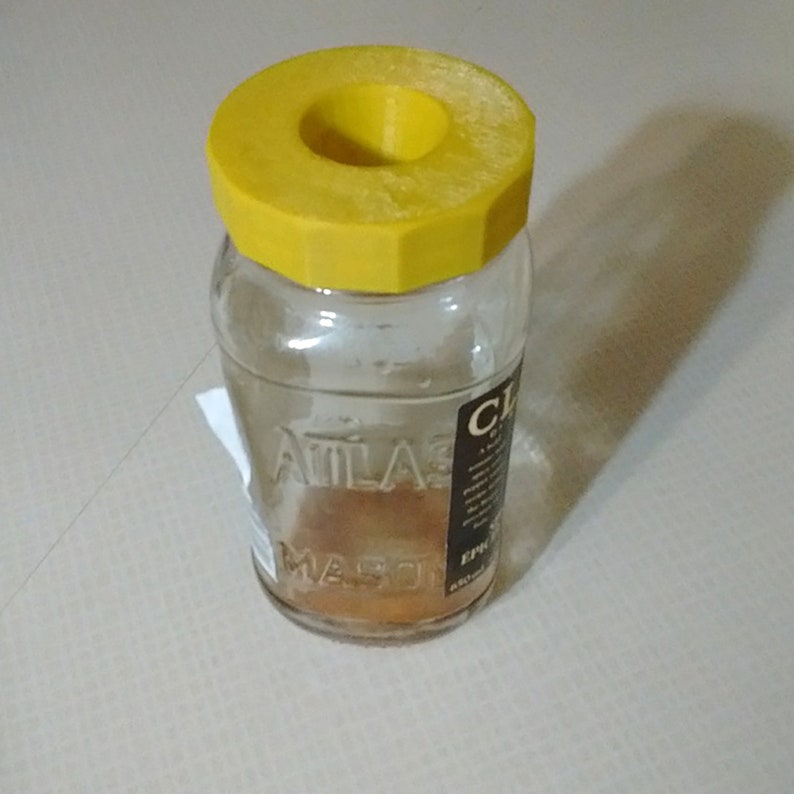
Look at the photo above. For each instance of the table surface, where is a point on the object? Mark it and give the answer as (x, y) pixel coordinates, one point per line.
(642, 638)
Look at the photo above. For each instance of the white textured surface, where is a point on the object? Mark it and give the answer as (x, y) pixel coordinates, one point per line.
(649, 648)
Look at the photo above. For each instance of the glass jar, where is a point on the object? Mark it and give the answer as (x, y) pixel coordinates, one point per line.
(375, 392)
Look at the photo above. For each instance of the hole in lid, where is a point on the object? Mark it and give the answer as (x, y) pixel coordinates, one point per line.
(372, 125)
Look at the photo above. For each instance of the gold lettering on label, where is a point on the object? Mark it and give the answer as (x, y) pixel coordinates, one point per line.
(510, 400)
(475, 426)
(492, 411)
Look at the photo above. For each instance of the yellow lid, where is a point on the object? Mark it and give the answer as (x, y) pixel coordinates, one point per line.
(373, 169)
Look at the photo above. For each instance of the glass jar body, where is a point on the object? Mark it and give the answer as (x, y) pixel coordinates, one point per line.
(352, 408)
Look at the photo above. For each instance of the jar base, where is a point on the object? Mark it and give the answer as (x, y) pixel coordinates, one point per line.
(366, 632)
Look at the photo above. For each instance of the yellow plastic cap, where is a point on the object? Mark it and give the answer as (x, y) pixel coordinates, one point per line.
(372, 169)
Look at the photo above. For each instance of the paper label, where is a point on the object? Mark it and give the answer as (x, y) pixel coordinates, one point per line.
(479, 478)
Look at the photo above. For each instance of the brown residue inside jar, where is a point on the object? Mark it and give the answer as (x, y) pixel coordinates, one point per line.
(372, 555)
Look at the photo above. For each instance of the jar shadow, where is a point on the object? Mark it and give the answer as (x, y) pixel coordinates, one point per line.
(630, 265)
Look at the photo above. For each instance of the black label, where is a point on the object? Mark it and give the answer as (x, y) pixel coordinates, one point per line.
(479, 479)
